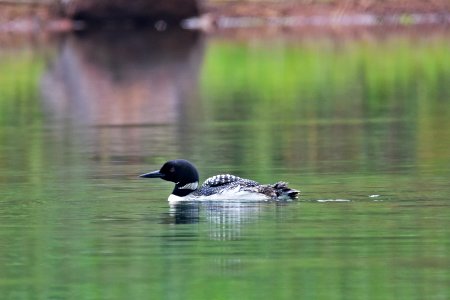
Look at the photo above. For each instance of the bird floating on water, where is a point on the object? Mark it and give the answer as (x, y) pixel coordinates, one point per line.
(220, 187)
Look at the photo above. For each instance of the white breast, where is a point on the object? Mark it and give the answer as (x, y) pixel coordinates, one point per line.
(227, 195)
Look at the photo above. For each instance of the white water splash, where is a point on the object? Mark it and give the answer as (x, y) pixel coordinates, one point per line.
(333, 200)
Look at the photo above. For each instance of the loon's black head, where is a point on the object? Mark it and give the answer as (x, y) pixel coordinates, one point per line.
(180, 171)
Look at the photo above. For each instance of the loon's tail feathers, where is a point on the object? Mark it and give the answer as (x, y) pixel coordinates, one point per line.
(284, 192)
(279, 191)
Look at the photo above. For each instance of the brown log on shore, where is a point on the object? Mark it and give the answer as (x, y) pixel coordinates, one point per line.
(167, 10)
(57, 15)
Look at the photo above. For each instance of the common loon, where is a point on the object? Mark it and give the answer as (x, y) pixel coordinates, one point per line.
(220, 187)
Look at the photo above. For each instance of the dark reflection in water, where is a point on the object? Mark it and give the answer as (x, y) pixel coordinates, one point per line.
(125, 89)
(184, 213)
(106, 78)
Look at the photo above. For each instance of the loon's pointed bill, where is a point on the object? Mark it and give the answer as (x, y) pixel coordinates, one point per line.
(220, 187)
(154, 174)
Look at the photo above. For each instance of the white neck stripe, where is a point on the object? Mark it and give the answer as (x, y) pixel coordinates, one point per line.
(189, 186)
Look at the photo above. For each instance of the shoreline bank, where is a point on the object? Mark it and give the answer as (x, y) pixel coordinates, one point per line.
(46, 16)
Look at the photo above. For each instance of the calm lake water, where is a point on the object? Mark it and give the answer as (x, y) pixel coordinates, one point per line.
(358, 121)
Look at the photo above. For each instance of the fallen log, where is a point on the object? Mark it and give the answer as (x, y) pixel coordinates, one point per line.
(170, 11)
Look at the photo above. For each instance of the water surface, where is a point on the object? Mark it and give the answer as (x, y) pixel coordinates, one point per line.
(359, 122)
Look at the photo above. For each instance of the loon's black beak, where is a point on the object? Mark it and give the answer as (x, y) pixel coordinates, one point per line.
(154, 174)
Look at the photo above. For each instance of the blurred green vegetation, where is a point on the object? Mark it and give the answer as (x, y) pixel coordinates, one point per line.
(353, 92)
(21, 120)
(369, 73)
(20, 74)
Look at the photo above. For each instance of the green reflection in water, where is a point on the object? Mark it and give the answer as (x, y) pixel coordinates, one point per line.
(337, 121)
(19, 77)
(20, 113)
(366, 105)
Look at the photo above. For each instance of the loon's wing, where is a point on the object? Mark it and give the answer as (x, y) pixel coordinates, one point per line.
(221, 183)
(224, 179)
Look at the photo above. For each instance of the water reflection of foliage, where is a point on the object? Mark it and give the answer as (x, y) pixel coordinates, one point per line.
(306, 102)
(20, 70)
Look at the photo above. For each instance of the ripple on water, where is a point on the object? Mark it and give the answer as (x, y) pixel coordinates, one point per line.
(333, 200)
